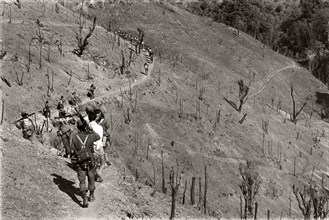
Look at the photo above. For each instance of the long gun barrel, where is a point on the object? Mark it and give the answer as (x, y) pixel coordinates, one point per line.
(23, 118)
(66, 116)
(85, 124)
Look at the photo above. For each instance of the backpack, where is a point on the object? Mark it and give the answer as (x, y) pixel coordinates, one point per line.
(27, 124)
(84, 154)
(60, 106)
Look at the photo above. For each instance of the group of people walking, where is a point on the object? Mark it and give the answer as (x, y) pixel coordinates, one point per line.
(87, 151)
(84, 140)
(135, 41)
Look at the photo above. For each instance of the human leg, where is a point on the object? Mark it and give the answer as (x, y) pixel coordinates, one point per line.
(82, 183)
(91, 182)
(101, 159)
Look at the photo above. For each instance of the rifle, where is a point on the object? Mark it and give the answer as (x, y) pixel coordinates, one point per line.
(23, 118)
(66, 116)
(85, 124)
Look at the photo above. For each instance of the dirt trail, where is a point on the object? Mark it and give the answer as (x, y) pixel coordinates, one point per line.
(123, 89)
(271, 76)
(104, 192)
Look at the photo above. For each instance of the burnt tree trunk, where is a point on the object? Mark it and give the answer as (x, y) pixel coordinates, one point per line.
(192, 191)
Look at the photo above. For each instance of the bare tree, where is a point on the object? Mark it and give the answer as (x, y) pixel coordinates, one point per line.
(250, 185)
(19, 80)
(296, 112)
(304, 199)
(320, 201)
(175, 182)
(83, 41)
(243, 93)
(122, 66)
(18, 4)
(3, 52)
(40, 38)
(50, 82)
(9, 14)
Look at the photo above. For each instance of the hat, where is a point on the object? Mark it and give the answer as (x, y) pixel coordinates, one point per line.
(24, 114)
(65, 129)
(97, 111)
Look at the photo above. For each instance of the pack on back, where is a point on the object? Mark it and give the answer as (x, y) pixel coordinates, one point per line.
(27, 124)
(84, 154)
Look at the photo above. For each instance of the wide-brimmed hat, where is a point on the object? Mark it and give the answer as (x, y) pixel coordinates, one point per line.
(24, 114)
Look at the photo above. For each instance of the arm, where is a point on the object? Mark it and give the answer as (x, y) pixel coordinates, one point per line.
(73, 145)
(95, 136)
(32, 124)
(19, 124)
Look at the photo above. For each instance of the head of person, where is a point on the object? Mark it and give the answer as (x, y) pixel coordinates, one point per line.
(99, 114)
(92, 116)
(62, 97)
(89, 109)
(24, 115)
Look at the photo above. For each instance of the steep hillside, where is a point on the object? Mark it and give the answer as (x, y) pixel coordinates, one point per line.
(192, 55)
(36, 183)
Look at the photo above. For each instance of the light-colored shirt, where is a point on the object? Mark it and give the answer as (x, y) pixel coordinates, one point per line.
(70, 111)
(86, 118)
(98, 130)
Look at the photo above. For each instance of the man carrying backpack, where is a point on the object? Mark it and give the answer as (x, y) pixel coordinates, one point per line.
(82, 145)
(27, 126)
(60, 104)
(65, 133)
(146, 67)
(91, 91)
(46, 110)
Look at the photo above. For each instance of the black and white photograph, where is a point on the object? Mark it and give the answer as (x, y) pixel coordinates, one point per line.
(164, 109)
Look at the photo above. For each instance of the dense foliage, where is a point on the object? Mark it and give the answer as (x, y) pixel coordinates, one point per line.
(299, 30)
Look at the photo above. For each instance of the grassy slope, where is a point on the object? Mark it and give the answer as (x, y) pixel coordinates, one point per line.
(206, 47)
(35, 182)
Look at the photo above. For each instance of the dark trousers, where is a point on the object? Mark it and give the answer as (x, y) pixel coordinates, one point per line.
(90, 173)
(66, 143)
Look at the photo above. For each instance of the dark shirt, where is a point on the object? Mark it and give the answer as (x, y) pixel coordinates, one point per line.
(76, 144)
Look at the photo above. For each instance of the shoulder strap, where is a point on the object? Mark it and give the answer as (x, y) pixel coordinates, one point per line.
(83, 143)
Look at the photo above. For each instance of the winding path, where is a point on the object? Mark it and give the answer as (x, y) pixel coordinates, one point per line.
(125, 88)
(271, 76)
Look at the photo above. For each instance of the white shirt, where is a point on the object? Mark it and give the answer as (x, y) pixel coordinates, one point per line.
(86, 118)
(70, 110)
(99, 130)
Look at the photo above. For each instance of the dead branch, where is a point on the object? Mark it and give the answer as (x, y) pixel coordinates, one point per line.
(83, 41)
(294, 112)
(18, 4)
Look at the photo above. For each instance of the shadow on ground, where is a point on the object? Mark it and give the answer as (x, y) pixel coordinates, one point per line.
(68, 187)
